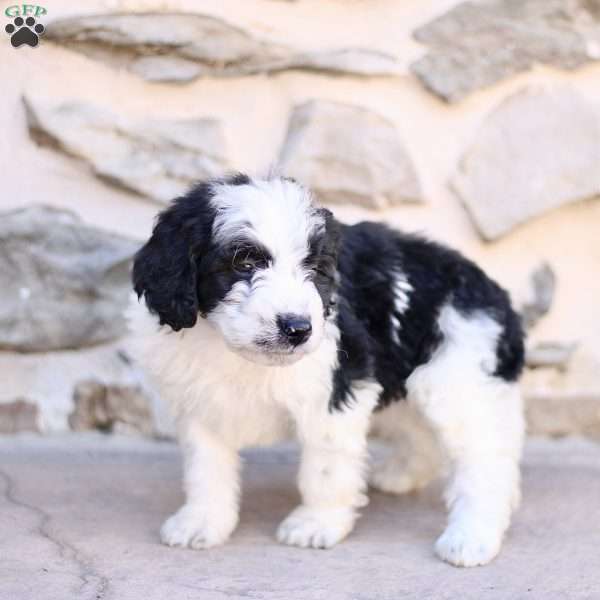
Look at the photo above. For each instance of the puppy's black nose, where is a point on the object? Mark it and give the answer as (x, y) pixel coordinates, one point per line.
(295, 328)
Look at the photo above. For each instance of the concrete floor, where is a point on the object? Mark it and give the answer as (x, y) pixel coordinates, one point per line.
(79, 518)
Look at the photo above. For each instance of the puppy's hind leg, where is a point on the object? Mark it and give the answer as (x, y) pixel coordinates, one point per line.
(415, 456)
(482, 433)
(478, 417)
(483, 492)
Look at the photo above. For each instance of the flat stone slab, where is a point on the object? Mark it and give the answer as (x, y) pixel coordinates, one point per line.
(350, 155)
(180, 47)
(155, 158)
(65, 284)
(536, 151)
(476, 44)
(79, 517)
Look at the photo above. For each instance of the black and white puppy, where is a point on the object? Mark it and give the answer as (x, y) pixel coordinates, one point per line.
(268, 318)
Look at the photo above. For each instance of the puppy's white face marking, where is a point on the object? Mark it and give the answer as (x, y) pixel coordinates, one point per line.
(276, 220)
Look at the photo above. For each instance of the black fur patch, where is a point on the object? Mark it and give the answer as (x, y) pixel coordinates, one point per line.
(322, 258)
(179, 271)
(370, 260)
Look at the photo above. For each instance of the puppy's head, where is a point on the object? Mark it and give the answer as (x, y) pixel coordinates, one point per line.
(254, 257)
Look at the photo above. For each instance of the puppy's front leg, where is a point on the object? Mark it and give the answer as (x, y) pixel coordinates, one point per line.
(331, 477)
(211, 482)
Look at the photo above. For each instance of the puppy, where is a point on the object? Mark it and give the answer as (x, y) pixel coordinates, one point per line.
(268, 318)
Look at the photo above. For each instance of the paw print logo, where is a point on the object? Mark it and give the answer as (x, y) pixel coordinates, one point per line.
(24, 31)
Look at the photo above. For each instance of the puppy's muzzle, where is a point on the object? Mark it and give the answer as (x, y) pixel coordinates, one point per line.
(295, 329)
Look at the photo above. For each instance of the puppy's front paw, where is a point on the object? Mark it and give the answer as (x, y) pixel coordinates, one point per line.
(464, 546)
(197, 527)
(316, 528)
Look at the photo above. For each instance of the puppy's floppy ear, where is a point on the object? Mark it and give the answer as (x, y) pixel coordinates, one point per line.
(165, 269)
(333, 234)
(324, 258)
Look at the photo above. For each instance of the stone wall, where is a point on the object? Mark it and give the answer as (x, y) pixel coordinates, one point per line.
(476, 123)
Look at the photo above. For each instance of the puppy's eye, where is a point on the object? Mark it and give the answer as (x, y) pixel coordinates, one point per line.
(248, 265)
(315, 270)
(311, 271)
